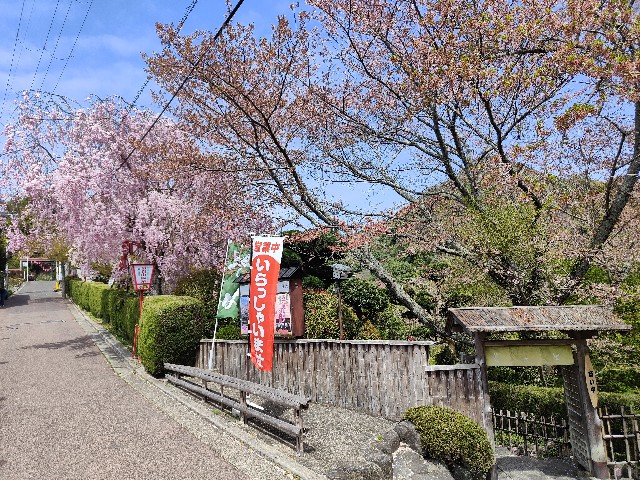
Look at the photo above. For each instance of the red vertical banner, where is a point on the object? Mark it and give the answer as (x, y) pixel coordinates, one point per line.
(265, 269)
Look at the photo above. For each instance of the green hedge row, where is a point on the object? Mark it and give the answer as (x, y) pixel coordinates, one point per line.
(170, 328)
(546, 402)
(119, 308)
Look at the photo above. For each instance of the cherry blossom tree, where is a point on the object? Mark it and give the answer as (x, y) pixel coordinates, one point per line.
(90, 181)
(508, 131)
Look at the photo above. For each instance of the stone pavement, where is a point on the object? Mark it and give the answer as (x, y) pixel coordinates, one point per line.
(65, 415)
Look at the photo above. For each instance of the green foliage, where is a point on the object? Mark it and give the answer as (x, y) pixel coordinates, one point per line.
(321, 316)
(314, 256)
(453, 438)
(390, 324)
(200, 284)
(103, 272)
(616, 356)
(364, 297)
(369, 331)
(546, 376)
(120, 309)
(547, 402)
(170, 330)
(312, 282)
(444, 355)
(612, 401)
(540, 401)
(619, 379)
(229, 332)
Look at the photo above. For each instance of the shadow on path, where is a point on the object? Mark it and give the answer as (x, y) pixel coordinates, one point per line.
(18, 300)
(79, 343)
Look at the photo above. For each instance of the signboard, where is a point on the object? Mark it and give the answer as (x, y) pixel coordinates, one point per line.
(265, 269)
(590, 377)
(528, 355)
(141, 275)
(237, 263)
(282, 315)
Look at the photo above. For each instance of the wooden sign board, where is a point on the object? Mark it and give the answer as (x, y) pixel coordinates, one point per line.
(528, 355)
(590, 377)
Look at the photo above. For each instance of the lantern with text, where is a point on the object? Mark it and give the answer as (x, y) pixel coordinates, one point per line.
(142, 275)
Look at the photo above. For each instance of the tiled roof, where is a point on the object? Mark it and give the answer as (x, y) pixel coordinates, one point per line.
(559, 318)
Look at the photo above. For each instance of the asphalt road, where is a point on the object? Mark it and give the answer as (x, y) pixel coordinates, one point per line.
(64, 414)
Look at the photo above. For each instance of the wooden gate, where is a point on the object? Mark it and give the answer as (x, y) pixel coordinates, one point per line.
(576, 414)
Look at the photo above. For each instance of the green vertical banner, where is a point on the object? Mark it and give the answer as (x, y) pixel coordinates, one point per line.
(236, 264)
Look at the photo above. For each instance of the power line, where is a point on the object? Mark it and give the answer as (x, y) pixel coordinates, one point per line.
(184, 19)
(44, 47)
(55, 47)
(73, 47)
(186, 79)
(15, 44)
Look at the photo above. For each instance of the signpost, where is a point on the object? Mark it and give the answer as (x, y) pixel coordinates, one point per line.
(142, 274)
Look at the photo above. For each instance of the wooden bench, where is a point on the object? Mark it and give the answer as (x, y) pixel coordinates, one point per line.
(244, 387)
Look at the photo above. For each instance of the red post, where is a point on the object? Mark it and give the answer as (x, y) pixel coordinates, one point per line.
(135, 332)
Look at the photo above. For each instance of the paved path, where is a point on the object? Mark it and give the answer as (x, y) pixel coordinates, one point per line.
(64, 414)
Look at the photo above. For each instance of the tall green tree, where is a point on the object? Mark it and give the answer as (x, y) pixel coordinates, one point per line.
(508, 132)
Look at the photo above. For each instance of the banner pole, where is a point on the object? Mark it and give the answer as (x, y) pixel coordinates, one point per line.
(215, 328)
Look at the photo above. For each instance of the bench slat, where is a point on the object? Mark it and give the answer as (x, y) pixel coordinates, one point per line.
(293, 430)
(279, 396)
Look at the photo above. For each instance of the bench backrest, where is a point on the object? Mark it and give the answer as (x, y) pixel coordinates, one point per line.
(279, 396)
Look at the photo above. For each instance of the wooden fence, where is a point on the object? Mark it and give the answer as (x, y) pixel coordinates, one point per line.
(621, 433)
(377, 377)
(526, 434)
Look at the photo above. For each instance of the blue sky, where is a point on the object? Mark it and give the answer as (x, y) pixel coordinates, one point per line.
(37, 43)
(79, 48)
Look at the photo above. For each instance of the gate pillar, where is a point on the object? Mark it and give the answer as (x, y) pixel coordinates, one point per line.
(585, 426)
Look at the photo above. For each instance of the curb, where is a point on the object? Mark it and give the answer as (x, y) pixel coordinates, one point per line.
(132, 372)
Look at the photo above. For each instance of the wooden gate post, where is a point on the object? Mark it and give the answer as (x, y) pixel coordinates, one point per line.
(485, 401)
(593, 425)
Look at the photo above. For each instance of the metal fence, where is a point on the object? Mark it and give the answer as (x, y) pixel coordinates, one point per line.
(526, 434)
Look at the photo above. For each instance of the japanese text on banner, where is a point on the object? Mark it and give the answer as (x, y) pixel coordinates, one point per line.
(265, 268)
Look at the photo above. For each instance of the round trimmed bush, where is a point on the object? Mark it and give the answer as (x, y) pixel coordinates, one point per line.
(453, 438)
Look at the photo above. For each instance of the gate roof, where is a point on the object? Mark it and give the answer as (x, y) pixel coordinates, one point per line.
(566, 318)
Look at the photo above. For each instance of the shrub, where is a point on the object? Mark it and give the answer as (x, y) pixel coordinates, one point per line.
(391, 324)
(369, 331)
(311, 281)
(453, 438)
(170, 330)
(229, 332)
(200, 284)
(364, 297)
(117, 307)
(321, 316)
(540, 401)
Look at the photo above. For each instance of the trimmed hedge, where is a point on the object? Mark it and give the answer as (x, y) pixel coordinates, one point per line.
(119, 308)
(453, 438)
(170, 329)
(540, 401)
(546, 402)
